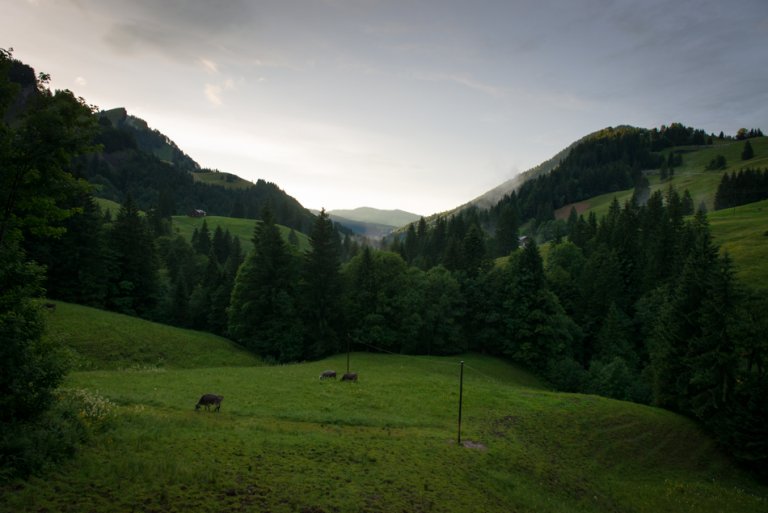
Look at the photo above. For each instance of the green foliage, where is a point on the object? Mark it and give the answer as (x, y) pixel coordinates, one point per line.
(134, 282)
(747, 153)
(746, 186)
(30, 447)
(36, 151)
(263, 313)
(31, 367)
(321, 289)
(717, 163)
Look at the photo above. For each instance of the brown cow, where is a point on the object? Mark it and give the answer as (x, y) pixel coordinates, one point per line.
(328, 374)
(350, 376)
(209, 399)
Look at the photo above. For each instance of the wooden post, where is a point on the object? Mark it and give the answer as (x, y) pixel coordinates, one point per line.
(348, 344)
(461, 393)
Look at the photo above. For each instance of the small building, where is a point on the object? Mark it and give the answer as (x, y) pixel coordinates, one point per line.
(196, 212)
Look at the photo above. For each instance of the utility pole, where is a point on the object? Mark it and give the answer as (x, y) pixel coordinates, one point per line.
(461, 393)
(348, 344)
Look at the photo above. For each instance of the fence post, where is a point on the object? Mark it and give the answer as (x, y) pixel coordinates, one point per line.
(461, 393)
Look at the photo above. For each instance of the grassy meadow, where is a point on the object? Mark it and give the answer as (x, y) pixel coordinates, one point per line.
(286, 441)
(241, 228)
(740, 231)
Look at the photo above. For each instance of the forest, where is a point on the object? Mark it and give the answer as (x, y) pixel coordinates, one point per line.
(638, 305)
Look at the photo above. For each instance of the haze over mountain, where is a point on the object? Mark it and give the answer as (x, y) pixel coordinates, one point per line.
(396, 218)
(370, 222)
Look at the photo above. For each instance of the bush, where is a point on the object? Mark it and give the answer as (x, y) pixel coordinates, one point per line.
(567, 375)
(30, 447)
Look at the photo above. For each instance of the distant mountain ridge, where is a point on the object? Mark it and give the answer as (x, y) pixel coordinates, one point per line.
(371, 223)
(396, 218)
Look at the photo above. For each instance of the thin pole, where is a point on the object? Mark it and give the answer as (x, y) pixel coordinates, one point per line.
(461, 394)
(348, 343)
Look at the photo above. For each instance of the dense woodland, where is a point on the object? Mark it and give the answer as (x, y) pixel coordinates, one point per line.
(638, 305)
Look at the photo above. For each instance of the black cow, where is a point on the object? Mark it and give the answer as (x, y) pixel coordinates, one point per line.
(328, 374)
(349, 376)
(209, 399)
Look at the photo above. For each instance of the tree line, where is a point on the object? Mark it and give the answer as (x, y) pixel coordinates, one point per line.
(740, 188)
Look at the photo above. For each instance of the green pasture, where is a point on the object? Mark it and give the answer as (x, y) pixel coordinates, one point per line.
(740, 231)
(226, 180)
(97, 339)
(692, 175)
(241, 228)
(113, 207)
(743, 232)
(286, 441)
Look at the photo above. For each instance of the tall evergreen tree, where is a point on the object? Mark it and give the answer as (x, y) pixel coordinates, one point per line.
(263, 313)
(321, 288)
(747, 153)
(134, 280)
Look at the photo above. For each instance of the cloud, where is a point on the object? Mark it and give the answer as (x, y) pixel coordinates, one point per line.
(209, 65)
(213, 92)
(81, 81)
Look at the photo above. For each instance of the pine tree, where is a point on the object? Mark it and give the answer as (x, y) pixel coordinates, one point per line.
(536, 329)
(747, 153)
(134, 279)
(263, 314)
(203, 242)
(321, 288)
(507, 230)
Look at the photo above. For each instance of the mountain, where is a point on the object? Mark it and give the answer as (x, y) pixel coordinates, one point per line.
(372, 223)
(146, 164)
(396, 218)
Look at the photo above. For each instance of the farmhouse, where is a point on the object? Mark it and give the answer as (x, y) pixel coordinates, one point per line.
(196, 212)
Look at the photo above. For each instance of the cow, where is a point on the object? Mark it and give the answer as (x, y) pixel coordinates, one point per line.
(209, 399)
(350, 376)
(328, 374)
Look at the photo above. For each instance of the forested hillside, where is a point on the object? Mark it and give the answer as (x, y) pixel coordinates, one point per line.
(637, 304)
(145, 164)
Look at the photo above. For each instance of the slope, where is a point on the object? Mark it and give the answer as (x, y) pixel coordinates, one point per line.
(145, 163)
(285, 441)
(740, 231)
(240, 228)
(105, 340)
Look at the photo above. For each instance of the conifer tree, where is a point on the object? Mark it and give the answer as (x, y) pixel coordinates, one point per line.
(263, 314)
(321, 288)
(747, 153)
(134, 279)
(507, 228)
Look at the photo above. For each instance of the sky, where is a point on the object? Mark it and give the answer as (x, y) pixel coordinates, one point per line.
(419, 105)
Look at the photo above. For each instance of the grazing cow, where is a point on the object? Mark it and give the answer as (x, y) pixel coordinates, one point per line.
(349, 376)
(210, 399)
(51, 307)
(328, 374)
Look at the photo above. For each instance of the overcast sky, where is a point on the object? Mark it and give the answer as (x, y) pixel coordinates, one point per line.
(420, 105)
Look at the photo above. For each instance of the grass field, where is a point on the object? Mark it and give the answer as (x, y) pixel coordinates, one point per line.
(226, 180)
(285, 441)
(743, 233)
(241, 228)
(108, 340)
(740, 231)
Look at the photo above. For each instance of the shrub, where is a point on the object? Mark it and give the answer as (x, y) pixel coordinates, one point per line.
(29, 447)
